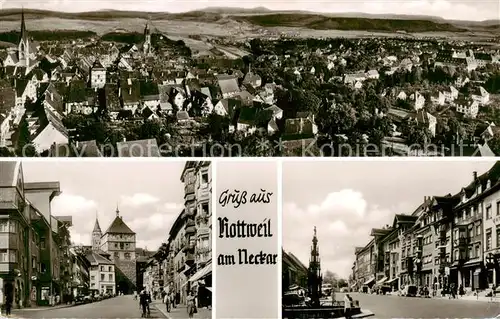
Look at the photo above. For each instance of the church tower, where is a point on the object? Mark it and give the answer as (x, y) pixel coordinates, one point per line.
(147, 40)
(119, 242)
(96, 236)
(314, 280)
(24, 45)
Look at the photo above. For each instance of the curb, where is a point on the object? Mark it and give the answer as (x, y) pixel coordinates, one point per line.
(45, 308)
(364, 314)
(163, 311)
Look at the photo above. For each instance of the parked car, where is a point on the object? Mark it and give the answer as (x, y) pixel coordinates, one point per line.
(409, 291)
(80, 299)
(88, 299)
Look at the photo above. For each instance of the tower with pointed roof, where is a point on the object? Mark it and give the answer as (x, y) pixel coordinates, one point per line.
(147, 40)
(119, 242)
(24, 44)
(314, 273)
(96, 236)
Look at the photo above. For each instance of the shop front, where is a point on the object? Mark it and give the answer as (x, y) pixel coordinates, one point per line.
(492, 269)
(474, 276)
(201, 282)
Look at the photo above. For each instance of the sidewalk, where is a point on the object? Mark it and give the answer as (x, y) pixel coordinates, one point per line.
(474, 298)
(38, 308)
(365, 313)
(180, 312)
(458, 298)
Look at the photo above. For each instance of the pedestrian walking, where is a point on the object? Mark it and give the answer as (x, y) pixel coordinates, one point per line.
(172, 299)
(347, 306)
(8, 304)
(191, 305)
(166, 301)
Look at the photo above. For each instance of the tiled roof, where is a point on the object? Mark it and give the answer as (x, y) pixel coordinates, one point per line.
(7, 173)
(97, 259)
(140, 148)
(118, 226)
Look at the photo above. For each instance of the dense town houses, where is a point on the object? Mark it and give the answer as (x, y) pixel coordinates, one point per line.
(40, 268)
(395, 93)
(55, 270)
(448, 240)
(184, 263)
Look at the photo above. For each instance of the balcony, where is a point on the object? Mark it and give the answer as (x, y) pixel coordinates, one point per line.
(10, 199)
(203, 231)
(202, 219)
(190, 258)
(189, 189)
(462, 242)
(190, 230)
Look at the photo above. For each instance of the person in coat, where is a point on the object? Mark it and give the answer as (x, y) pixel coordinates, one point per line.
(191, 305)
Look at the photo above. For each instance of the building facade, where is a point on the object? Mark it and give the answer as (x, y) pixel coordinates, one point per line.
(102, 274)
(448, 240)
(119, 241)
(34, 244)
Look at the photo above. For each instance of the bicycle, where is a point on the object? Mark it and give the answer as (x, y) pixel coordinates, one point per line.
(146, 311)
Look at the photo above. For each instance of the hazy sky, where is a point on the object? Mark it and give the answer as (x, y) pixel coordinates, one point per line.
(345, 200)
(149, 195)
(449, 9)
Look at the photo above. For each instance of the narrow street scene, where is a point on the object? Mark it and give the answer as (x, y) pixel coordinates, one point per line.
(385, 253)
(105, 240)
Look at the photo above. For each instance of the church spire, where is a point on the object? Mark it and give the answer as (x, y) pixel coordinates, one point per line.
(24, 33)
(117, 211)
(97, 227)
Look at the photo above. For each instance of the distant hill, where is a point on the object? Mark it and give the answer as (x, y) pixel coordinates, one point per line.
(228, 10)
(264, 17)
(106, 15)
(321, 22)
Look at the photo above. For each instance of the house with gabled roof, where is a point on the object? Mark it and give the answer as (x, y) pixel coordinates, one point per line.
(450, 94)
(150, 95)
(79, 99)
(53, 100)
(247, 120)
(102, 273)
(46, 129)
(480, 95)
(228, 85)
(466, 106)
(130, 94)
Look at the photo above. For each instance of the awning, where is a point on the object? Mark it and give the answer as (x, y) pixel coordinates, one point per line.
(392, 280)
(369, 281)
(200, 274)
(353, 285)
(209, 288)
(472, 263)
(381, 281)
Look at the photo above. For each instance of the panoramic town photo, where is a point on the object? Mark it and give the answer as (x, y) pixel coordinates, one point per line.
(173, 78)
(105, 240)
(395, 239)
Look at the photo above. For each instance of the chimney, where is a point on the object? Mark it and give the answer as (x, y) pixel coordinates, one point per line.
(474, 174)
